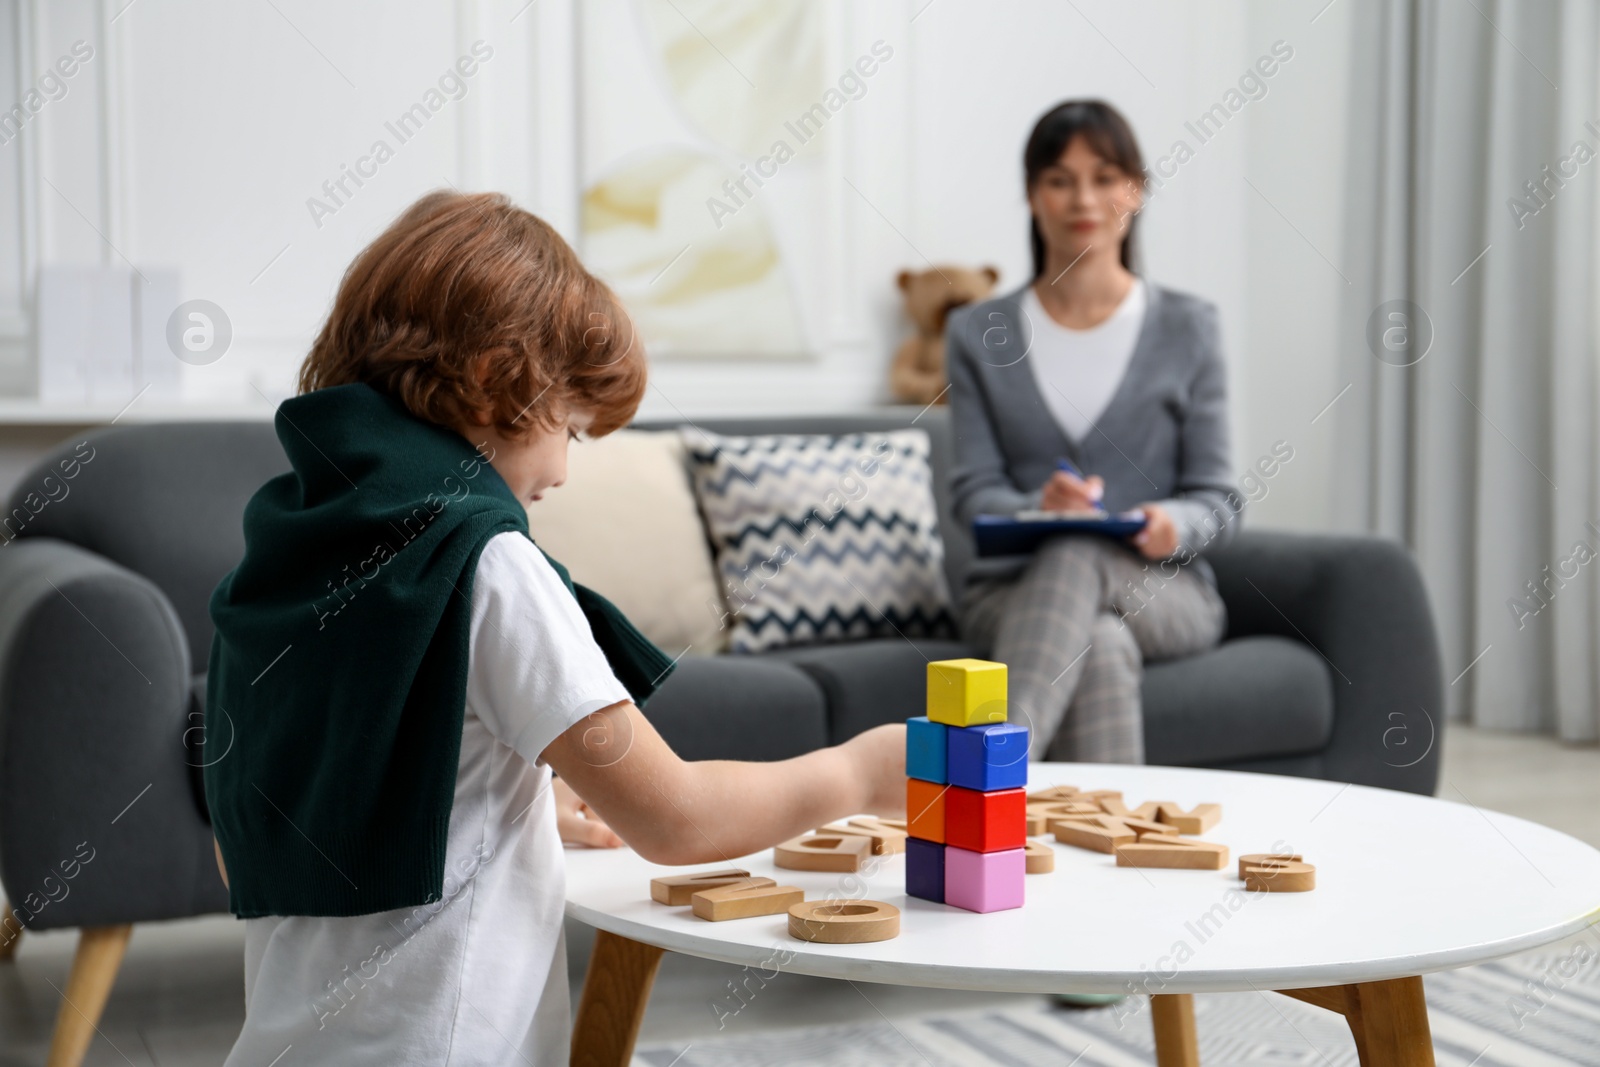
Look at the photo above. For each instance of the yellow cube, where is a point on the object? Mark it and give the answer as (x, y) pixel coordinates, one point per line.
(966, 692)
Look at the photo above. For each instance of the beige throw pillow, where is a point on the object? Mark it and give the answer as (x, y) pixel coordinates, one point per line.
(625, 524)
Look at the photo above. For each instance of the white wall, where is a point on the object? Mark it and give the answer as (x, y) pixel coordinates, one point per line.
(198, 131)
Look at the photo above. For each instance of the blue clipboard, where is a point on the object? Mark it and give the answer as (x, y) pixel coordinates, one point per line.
(1012, 535)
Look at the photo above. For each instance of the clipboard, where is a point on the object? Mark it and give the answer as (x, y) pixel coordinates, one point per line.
(1011, 535)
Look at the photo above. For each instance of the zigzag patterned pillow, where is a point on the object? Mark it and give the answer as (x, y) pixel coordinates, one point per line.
(823, 538)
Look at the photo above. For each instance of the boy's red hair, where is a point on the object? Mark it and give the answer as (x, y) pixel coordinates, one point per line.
(468, 305)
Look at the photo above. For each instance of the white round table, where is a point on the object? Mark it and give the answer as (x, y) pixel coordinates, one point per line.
(1405, 885)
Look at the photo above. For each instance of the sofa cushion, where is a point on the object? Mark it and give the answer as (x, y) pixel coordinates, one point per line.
(934, 421)
(625, 525)
(869, 683)
(823, 537)
(739, 707)
(1247, 698)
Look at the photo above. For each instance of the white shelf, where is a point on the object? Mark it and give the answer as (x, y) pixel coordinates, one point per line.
(24, 411)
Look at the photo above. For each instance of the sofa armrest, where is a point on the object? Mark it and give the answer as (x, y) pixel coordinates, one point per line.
(1360, 603)
(98, 820)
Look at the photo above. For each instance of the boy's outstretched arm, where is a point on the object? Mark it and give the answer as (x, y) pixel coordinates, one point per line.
(675, 812)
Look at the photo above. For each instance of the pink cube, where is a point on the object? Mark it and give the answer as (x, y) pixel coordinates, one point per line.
(983, 881)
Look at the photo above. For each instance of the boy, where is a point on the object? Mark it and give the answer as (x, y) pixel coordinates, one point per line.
(405, 668)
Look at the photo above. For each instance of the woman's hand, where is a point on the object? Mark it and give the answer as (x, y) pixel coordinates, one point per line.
(1159, 538)
(1066, 492)
(577, 823)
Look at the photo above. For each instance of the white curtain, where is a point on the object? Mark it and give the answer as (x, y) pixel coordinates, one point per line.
(1482, 454)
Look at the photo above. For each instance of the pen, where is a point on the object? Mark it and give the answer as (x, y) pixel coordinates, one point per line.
(1065, 464)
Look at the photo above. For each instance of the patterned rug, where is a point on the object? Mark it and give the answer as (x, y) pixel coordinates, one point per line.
(1536, 1010)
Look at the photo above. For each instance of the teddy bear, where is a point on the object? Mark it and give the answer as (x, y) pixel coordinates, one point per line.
(917, 375)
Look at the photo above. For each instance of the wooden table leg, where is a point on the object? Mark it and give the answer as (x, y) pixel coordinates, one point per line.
(1389, 1020)
(1177, 1044)
(1393, 1020)
(615, 992)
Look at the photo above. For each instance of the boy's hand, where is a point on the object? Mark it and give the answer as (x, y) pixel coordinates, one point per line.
(879, 755)
(577, 822)
(674, 812)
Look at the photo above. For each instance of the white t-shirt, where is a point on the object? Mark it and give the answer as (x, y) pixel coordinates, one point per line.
(1078, 371)
(479, 977)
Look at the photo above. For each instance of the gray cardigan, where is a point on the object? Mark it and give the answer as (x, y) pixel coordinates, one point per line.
(1163, 436)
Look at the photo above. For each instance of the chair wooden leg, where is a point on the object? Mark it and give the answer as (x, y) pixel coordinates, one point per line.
(10, 931)
(615, 992)
(94, 971)
(1177, 1043)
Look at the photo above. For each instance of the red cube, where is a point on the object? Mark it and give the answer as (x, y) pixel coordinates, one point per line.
(985, 821)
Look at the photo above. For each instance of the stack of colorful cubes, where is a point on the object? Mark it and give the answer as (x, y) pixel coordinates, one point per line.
(966, 796)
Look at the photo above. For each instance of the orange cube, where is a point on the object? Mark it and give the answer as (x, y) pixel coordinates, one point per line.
(925, 809)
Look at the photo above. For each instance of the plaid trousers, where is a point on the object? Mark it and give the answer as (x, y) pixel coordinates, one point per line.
(1075, 628)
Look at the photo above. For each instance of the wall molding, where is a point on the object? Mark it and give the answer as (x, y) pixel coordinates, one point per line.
(556, 116)
(26, 30)
(113, 125)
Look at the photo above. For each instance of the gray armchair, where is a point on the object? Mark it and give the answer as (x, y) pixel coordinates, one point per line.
(1330, 669)
(111, 551)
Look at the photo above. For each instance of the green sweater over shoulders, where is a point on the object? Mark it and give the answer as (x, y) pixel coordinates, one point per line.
(341, 653)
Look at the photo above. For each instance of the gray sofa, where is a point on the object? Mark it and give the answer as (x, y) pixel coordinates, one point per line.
(1330, 668)
(106, 575)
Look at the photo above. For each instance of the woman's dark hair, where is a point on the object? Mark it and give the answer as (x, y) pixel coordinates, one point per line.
(1110, 136)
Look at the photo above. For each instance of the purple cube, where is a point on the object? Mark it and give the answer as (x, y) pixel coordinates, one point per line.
(983, 881)
(925, 869)
(987, 757)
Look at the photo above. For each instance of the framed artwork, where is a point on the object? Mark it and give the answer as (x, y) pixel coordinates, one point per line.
(705, 144)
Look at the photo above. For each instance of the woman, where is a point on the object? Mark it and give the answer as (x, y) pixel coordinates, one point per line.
(1123, 380)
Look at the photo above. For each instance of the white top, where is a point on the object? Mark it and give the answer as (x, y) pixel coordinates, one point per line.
(480, 977)
(1078, 371)
(1406, 885)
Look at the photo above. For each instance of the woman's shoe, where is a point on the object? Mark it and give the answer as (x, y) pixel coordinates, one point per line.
(1087, 1000)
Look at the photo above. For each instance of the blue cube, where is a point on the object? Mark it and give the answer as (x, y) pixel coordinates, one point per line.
(925, 869)
(925, 749)
(987, 757)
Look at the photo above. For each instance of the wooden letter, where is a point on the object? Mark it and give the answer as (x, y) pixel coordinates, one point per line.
(1103, 833)
(677, 889)
(1038, 858)
(885, 837)
(1158, 850)
(1098, 833)
(1198, 821)
(740, 900)
(1255, 859)
(1039, 814)
(844, 922)
(1145, 811)
(1280, 873)
(1052, 794)
(822, 852)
